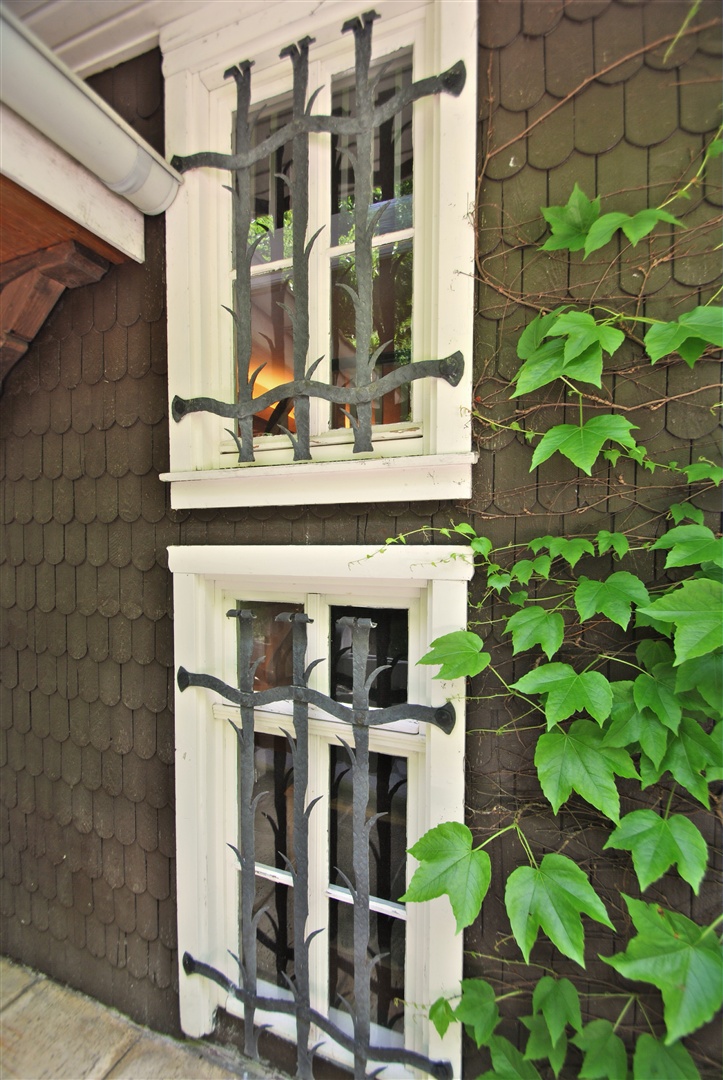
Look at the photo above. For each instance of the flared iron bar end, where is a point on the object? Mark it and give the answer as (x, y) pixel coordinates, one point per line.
(451, 368)
(183, 679)
(359, 20)
(178, 405)
(454, 78)
(446, 717)
(189, 964)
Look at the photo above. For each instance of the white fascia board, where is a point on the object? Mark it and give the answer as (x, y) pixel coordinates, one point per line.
(350, 563)
(51, 98)
(42, 168)
(431, 476)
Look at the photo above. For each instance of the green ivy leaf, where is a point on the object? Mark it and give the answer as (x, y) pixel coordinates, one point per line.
(498, 582)
(571, 223)
(508, 1063)
(482, 545)
(524, 569)
(657, 843)
(450, 866)
(704, 675)
(571, 550)
(634, 227)
(651, 651)
(628, 725)
(478, 1010)
(603, 230)
(696, 610)
(536, 626)
(578, 760)
(690, 754)
(552, 898)
(582, 331)
(543, 367)
(581, 445)
(685, 511)
(682, 959)
(654, 1060)
(706, 322)
(568, 692)
(441, 1014)
(690, 545)
(540, 1046)
(605, 1057)
(703, 470)
(559, 1003)
(616, 541)
(532, 337)
(689, 336)
(613, 597)
(657, 693)
(458, 654)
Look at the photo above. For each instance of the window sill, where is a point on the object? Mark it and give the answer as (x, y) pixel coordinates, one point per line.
(370, 479)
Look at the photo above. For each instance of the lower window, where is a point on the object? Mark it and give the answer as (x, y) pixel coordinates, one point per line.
(415, 781)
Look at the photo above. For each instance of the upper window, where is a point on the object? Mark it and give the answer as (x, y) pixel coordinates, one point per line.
(362, 315)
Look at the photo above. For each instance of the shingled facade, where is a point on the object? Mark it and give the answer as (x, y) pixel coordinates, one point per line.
(569, 92)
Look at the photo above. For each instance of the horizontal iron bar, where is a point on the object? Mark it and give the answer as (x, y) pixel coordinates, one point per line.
(450, 368)
(440, 1070)
(442, 716)
(449, 82)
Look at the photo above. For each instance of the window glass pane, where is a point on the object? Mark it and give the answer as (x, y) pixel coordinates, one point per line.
(392, 327)
(393, 155)
(274, 780)
(272, 298)
(272, 642)
(270, 194)
(388, 645)
(275, 932)
(386, 936)
(388, 836)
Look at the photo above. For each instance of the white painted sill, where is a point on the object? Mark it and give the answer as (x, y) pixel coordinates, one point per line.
(372, 479)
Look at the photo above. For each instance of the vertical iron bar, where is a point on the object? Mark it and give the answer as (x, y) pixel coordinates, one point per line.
(242, 286)
(299, 55)
(247, 839)
(299, 622)
(360, 853)
(363, 231)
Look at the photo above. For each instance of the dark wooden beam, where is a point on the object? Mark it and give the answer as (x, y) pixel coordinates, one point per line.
(32, 285)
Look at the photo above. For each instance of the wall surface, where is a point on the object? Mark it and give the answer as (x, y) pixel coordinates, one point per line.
(87, 800)
(580, 93)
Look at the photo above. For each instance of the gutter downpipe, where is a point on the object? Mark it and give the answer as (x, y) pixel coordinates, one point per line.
(39, 87)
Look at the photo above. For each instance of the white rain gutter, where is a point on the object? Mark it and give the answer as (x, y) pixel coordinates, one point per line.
(39, 87)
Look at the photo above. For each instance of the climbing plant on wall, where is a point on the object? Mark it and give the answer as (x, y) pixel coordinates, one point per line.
(623, 699)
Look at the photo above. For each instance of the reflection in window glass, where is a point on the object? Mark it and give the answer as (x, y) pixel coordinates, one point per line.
(388, 646)
(274, 781)
(272, 642)
(393, 155)
(272, 344)
(387, 863)
(392, 328)
(270, 194)
(386, 936)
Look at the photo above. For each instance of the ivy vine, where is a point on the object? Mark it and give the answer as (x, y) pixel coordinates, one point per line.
(645, 711)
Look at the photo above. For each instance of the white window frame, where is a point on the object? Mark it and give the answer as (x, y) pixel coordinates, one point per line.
(434, 458)
(432, 582)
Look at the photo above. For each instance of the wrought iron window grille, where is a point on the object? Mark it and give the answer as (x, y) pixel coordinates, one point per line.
(360, 716)
(367, 387)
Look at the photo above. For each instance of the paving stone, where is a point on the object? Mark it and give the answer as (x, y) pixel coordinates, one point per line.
(43, 1039)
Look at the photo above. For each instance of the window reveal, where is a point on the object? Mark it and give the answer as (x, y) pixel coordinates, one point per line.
(371, 370)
